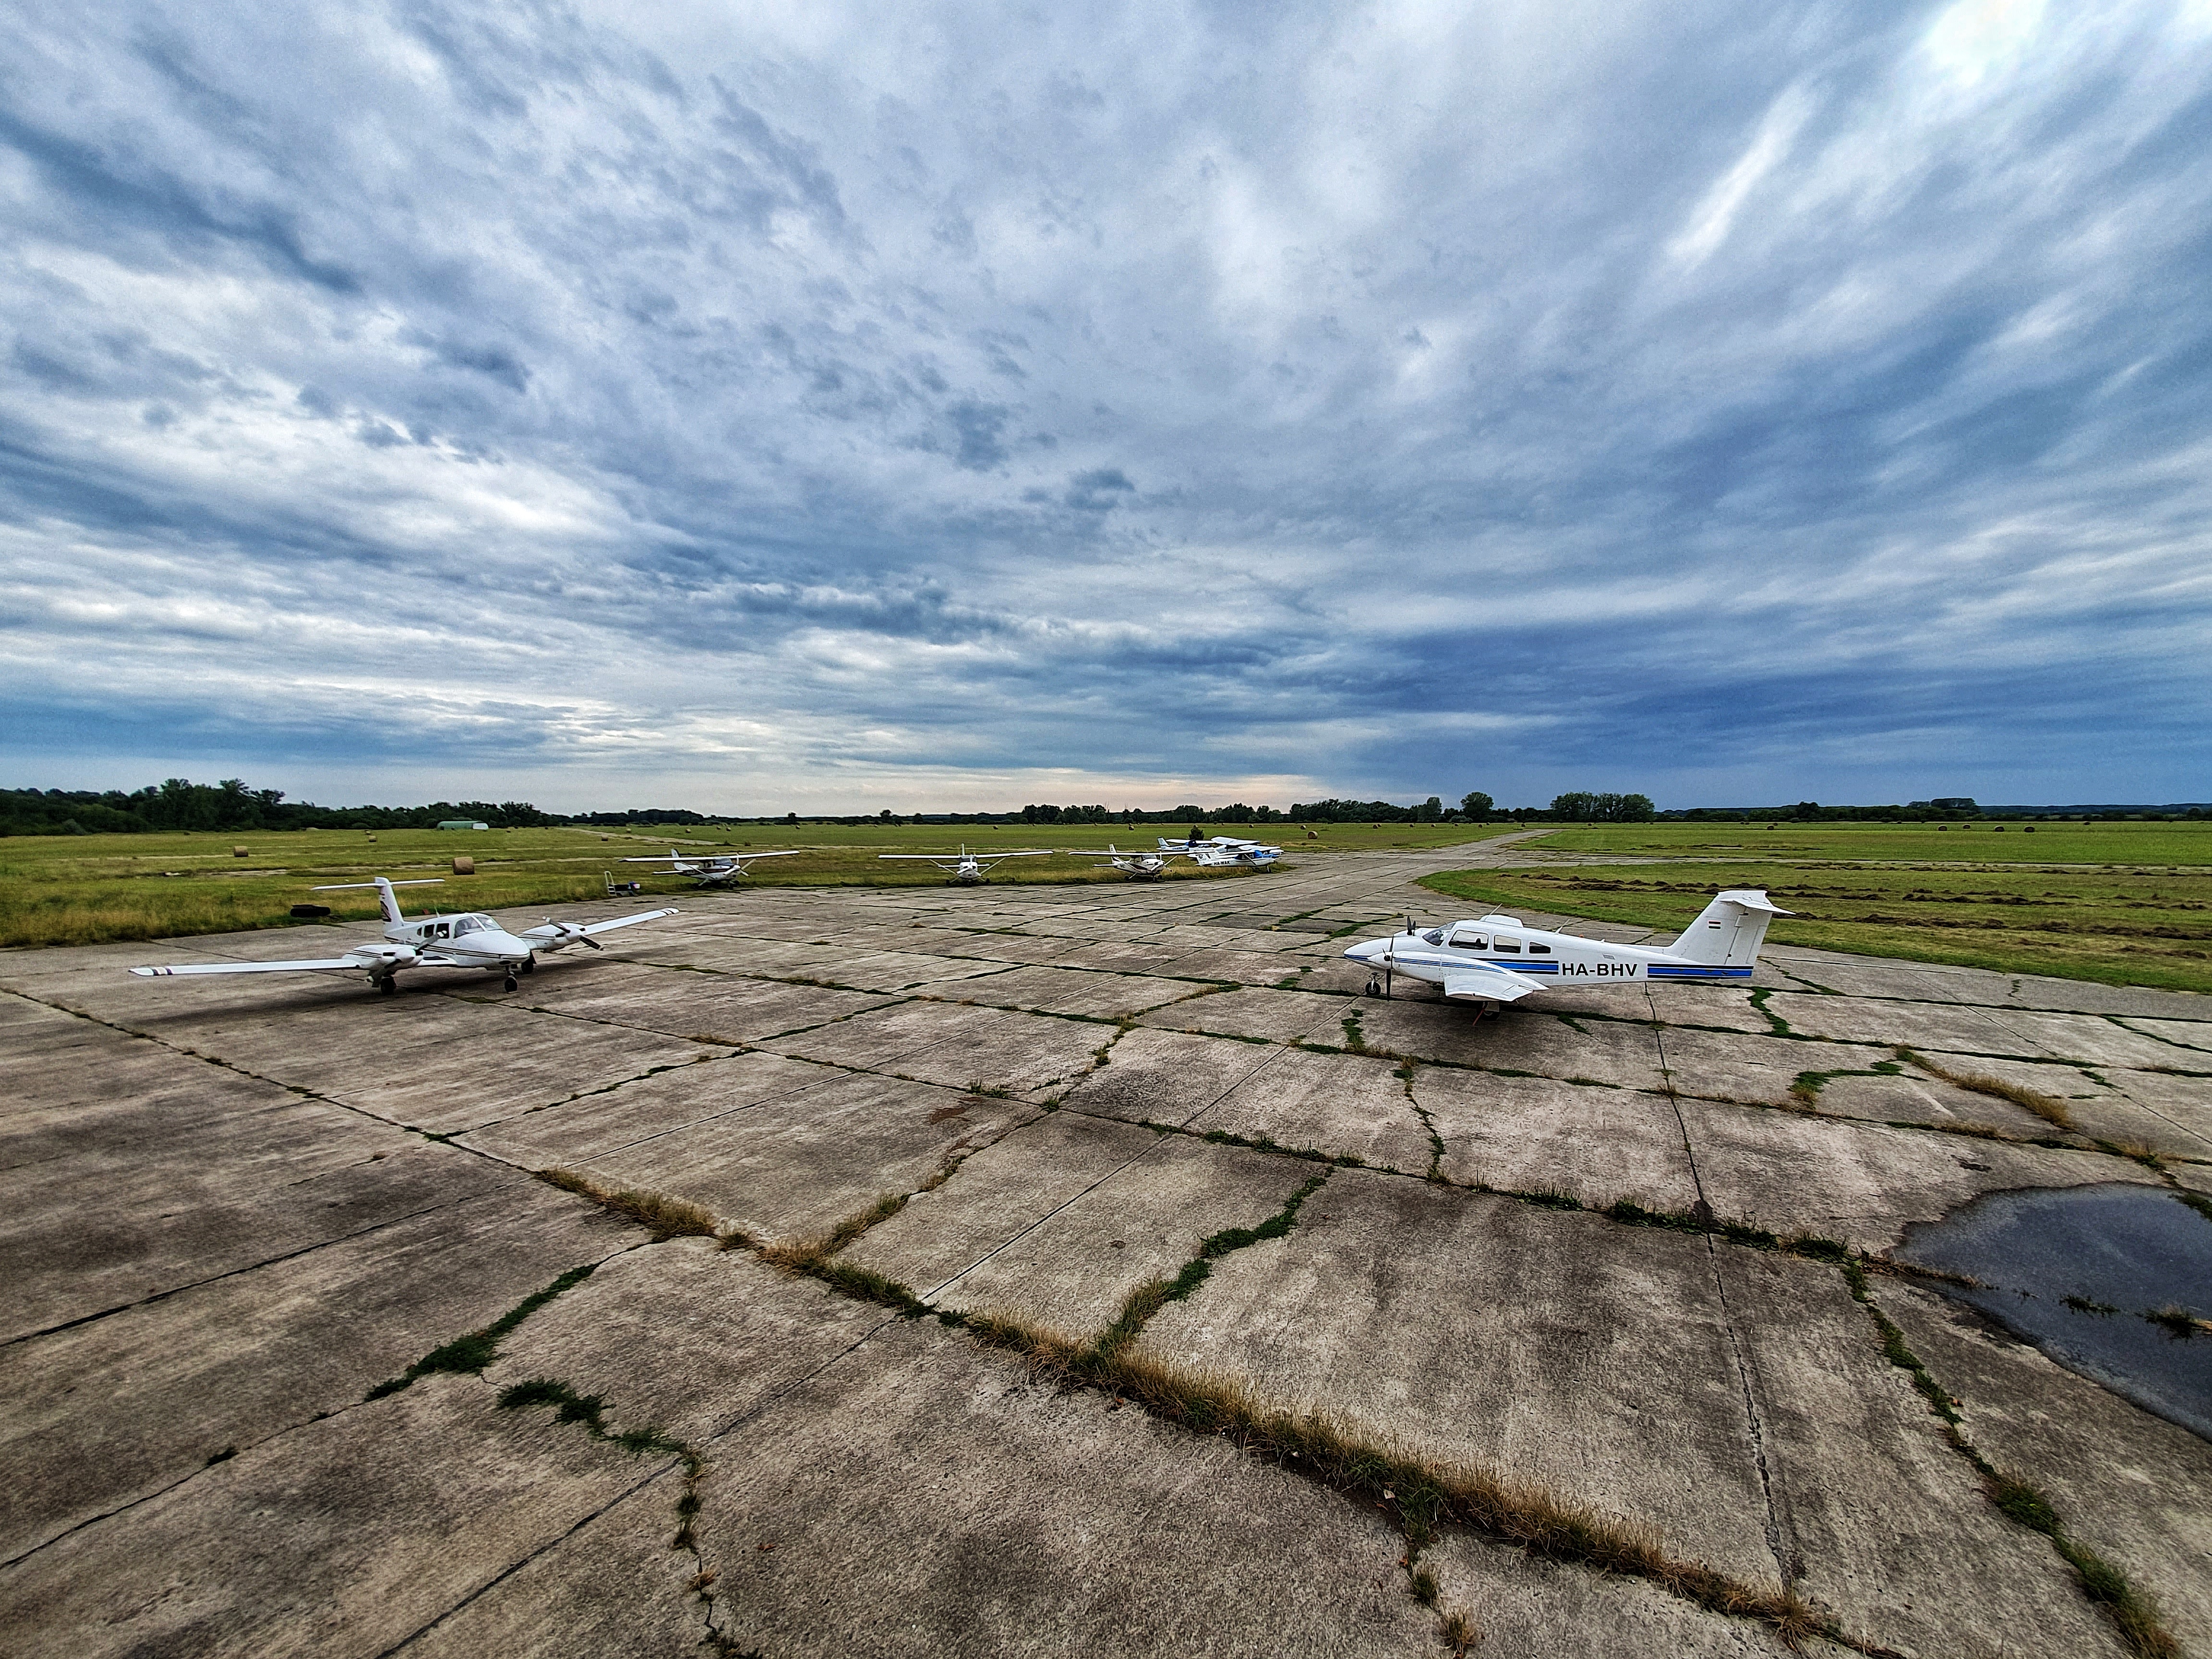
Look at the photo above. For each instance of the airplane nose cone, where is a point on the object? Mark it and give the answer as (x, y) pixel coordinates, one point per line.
(1361, 952)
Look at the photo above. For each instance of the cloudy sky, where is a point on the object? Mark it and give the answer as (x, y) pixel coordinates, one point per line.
(759, 406)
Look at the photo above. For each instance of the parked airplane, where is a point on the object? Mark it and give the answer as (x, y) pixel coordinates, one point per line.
(715, 870)
(458, 941)
(1137, 865)
(1223, 850)
(967, 868)
(1493, 960)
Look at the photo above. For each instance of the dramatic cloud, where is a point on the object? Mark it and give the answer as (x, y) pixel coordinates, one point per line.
(840, 407)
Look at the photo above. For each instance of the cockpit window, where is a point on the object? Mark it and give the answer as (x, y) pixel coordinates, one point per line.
(1434, 936)
(467, 925)
(1467, 941)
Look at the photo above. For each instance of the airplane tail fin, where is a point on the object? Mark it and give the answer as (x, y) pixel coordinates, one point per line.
(386, 900)
(1729, 930)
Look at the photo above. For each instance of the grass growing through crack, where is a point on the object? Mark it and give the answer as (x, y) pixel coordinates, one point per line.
(1148, 1298)
(2051, 1109)
(2130, 1609)
(468, 1355)
(1419, 1495)
(668, 1217)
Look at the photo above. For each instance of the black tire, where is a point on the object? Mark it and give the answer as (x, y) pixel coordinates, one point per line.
(529, 965)
(512, 982)
(385, 987)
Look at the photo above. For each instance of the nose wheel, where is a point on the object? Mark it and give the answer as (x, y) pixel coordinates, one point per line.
(511, 980)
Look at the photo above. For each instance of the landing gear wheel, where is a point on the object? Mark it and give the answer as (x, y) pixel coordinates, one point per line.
(512, 981)
(529, 965)
(385, 987)
(1374, 988)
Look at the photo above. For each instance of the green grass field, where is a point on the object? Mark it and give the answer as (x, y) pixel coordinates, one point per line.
(81, 890)
(2115, 926)
(2171, 843)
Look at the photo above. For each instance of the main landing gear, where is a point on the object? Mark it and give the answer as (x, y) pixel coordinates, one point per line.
(386, 986)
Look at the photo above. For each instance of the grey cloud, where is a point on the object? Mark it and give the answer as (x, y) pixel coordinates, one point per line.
(1479, 425)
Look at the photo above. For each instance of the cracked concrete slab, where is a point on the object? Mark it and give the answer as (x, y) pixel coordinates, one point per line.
(1028, 1054)
(1887, 1023)
(248, 1356)
(2128, 1485)
(685, 1336)
(612, 1588)
(1029, 1522)
(1416, 1312)
(1910, 1097)
(1069, 1266)
(728, 1008)
(1861, 1183)
(1522, 1604)
(1343, 1105)
(1885, 1524)
(644, 1108)
(1277, 1015)
(1166, 1076)
(343, 1537)
(799, 1164)
(1598, 1146)
(100, 1230)
(151, 1156)
(440, 1063)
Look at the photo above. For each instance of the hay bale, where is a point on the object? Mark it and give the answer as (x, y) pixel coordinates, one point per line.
(464, 866)
(239, 853)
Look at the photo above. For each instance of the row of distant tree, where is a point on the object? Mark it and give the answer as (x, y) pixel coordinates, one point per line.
(178, 804)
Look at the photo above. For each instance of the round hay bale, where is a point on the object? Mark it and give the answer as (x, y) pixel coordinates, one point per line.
(464, 866)
(239, 853)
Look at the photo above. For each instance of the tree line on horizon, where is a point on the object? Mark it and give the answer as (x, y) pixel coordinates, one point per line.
(180, 805)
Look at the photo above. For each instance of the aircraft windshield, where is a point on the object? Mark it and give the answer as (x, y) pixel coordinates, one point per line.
(470, 925)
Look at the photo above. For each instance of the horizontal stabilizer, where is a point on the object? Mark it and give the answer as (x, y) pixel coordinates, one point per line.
(557, 930)
(1476, 982)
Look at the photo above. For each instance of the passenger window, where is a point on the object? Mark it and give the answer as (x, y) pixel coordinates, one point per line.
(1512, 946)
(1539, 949)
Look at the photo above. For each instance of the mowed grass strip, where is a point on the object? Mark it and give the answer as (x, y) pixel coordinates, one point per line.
(86, 889)
(2112, 926)
(2128, 843)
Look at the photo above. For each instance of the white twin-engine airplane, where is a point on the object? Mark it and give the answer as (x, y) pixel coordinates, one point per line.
(1222, 850)
(470, 941)
(967, 868)
(715, 870)
(1494, 960)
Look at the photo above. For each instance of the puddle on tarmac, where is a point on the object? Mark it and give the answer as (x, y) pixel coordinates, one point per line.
(2052, 1260)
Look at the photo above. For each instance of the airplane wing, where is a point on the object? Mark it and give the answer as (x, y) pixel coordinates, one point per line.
(747, 858)
(1480, 983)
(566, 931)
(248, 968)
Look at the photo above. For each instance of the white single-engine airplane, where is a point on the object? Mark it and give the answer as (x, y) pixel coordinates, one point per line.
(1494, 960)
(967, 868)
(467, 941)
(1137, 865)
(1223, 850)
(715, 870)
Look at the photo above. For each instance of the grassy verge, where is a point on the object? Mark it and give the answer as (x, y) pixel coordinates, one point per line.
(85, 889)
(2113, 926)
(2043, 844)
